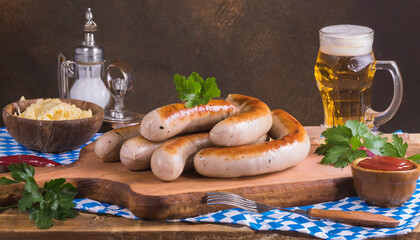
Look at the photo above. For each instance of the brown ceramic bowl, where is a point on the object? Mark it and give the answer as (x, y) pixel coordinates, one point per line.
(384, 188)
(52, 136)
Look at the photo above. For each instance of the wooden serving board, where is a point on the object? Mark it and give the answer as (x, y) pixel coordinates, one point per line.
(147, 197)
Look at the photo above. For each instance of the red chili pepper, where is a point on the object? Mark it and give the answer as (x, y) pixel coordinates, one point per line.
(29, 159)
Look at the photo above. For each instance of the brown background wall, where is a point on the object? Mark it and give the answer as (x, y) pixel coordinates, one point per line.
(266, 49)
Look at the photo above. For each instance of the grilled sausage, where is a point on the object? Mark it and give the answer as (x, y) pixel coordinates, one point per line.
(136, 153)
(108, 146)
(170, 120)
(291, 146)
(176, 155)
(253, 122)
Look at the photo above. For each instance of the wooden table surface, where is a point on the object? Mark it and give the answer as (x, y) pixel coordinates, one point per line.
(16, 225)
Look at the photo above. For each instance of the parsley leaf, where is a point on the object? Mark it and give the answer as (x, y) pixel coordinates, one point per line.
(323, 149)
(356, 154)
(335, 154)
(395, 149)
(343, 143)
(42, 220)
(339, 135)
(6, 181)
(374, 143)
(355, 143)
(358, 129)
(53, 201)
(415, 158)
(194, 90)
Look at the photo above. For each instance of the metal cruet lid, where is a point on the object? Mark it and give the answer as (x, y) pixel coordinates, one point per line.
(88, 51)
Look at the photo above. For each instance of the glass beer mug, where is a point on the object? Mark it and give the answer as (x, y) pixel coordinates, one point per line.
(344, 73)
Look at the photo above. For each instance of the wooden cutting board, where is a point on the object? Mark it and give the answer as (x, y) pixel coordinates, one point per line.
(147, 197)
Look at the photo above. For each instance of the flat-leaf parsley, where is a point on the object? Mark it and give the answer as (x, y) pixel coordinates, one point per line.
(53, 201)
(194, 90)
(345, 143)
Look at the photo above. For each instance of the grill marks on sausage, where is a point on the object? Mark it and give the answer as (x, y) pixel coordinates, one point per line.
(173, 113)
(170, 120)
(296, 130)
(249, 108)
(296, 133)
(254, 120)
(178, 110)
(178, 143)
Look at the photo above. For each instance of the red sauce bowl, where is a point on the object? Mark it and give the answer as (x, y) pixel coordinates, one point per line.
(384, 188)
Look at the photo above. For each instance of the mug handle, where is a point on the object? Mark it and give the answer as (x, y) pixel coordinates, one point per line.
(66, 70)
(379, 118)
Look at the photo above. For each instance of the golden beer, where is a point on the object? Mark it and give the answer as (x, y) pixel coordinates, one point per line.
(344, 73)
(344, 83)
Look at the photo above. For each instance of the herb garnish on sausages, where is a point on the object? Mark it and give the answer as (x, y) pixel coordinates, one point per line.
(194, 90)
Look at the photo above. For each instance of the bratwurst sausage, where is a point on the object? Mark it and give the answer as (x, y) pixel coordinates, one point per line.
(253, 122)
(170, 120)
(136, 153)
(291, 146)
(176, 155)
(108, 146)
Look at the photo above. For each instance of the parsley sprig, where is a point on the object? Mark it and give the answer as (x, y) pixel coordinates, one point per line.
(194, 90)
(53, 201)
(345, 143)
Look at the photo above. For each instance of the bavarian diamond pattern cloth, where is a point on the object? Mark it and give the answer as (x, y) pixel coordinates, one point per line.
(9, 146)
(408, 214)
(93, 206)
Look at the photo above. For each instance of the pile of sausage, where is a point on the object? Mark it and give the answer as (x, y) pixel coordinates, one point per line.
(236, 137)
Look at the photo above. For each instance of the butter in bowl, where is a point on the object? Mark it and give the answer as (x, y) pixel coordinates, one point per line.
(52, 136)
(385, 181)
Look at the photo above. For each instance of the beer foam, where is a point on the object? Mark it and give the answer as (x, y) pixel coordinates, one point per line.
(346, 40)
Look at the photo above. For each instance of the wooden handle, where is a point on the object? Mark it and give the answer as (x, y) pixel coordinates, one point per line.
(356, 218)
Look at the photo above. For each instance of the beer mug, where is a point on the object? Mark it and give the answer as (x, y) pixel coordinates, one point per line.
(344, 73)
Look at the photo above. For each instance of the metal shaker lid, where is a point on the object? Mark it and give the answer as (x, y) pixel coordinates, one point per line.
(89, 51)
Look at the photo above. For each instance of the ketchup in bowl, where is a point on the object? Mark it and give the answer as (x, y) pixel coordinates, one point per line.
(385, 163)
(385, 181)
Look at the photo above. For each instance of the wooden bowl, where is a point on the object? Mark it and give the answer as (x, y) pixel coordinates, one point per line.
(384, 188)
(52, 136)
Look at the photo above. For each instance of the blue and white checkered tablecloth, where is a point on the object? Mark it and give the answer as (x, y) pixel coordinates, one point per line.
(9, 146)
(408, 214)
